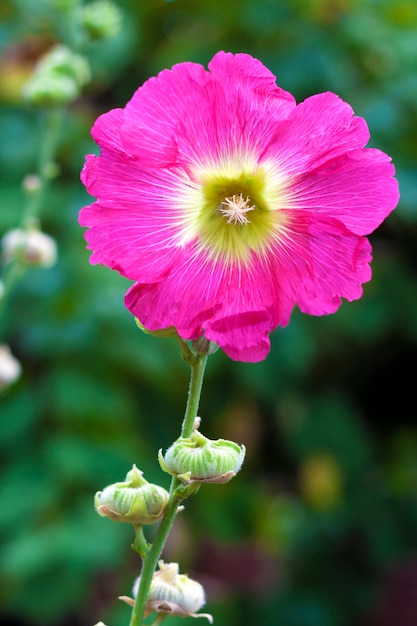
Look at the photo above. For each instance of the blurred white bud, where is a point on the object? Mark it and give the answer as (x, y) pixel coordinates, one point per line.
(30, 246)
(10, 368)
(31, 183)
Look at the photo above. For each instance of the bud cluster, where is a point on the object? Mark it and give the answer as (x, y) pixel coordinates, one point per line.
(58, 78)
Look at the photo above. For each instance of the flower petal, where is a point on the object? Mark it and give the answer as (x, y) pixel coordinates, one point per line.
(358, 189)
(318, 130)
(152, 116)
(318, 262)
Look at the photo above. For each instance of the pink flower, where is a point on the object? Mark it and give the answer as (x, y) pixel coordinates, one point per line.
(228, 204)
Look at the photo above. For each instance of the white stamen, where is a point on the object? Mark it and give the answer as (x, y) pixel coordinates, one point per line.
(236, 208)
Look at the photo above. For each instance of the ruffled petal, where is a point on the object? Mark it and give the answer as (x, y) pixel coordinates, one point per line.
(319, 129)
(152, 116)
(358, 189)
(136, 225)
(185, 298)
(318, 262)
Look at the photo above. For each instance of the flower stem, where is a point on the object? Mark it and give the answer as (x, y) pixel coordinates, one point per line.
(197, 364)
(14, 270)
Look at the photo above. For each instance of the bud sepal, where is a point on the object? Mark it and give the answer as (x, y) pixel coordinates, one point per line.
(135, 500)
(166, 333)
(201, 460)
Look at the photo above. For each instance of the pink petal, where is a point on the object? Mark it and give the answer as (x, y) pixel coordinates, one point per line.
(158, 106)
(319, 129)
(106, 130)
(357, 188)
(318, 262)
(186, 297)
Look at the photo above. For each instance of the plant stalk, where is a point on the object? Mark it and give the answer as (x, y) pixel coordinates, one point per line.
(197, 364)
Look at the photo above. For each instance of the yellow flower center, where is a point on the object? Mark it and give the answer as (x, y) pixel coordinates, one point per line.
(235, 210)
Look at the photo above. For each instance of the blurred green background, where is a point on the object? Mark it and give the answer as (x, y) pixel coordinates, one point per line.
(320, 527)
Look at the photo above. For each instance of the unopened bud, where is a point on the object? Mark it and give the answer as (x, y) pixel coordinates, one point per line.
(101, 19)
(31, 183)
(198, 459)
(134, 501)
(31, 247)
(172, 593)
(10, 368)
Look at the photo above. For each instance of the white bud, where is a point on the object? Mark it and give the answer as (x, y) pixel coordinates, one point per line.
(10, 367)
(172, 593)
(31, 247)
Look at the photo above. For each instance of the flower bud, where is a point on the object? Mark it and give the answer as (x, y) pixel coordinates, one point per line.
(30, 246)
(101, 19)
(58, 78)
(172, 593)
(31, 184)
(134, 501)
(10, 367)
(198, 459)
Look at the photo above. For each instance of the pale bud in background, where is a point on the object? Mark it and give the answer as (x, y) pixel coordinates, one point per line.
(10, 368)
(31, 247)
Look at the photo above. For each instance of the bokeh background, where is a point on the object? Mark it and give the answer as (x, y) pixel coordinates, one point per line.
(320, 527)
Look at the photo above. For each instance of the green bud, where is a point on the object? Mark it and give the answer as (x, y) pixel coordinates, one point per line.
(198, 459)
(101, 19)
(58, 78)
(172, 593)
(65, 6)
(164, 332)
(134, 501)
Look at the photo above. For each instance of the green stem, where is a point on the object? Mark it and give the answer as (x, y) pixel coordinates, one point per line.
(197, 364)
(47, 150)
(14, 270)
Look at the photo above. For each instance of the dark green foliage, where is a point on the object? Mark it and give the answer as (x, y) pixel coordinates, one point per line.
(280, 544)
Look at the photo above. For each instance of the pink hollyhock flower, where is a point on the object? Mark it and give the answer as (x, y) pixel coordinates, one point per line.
(228, 203)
